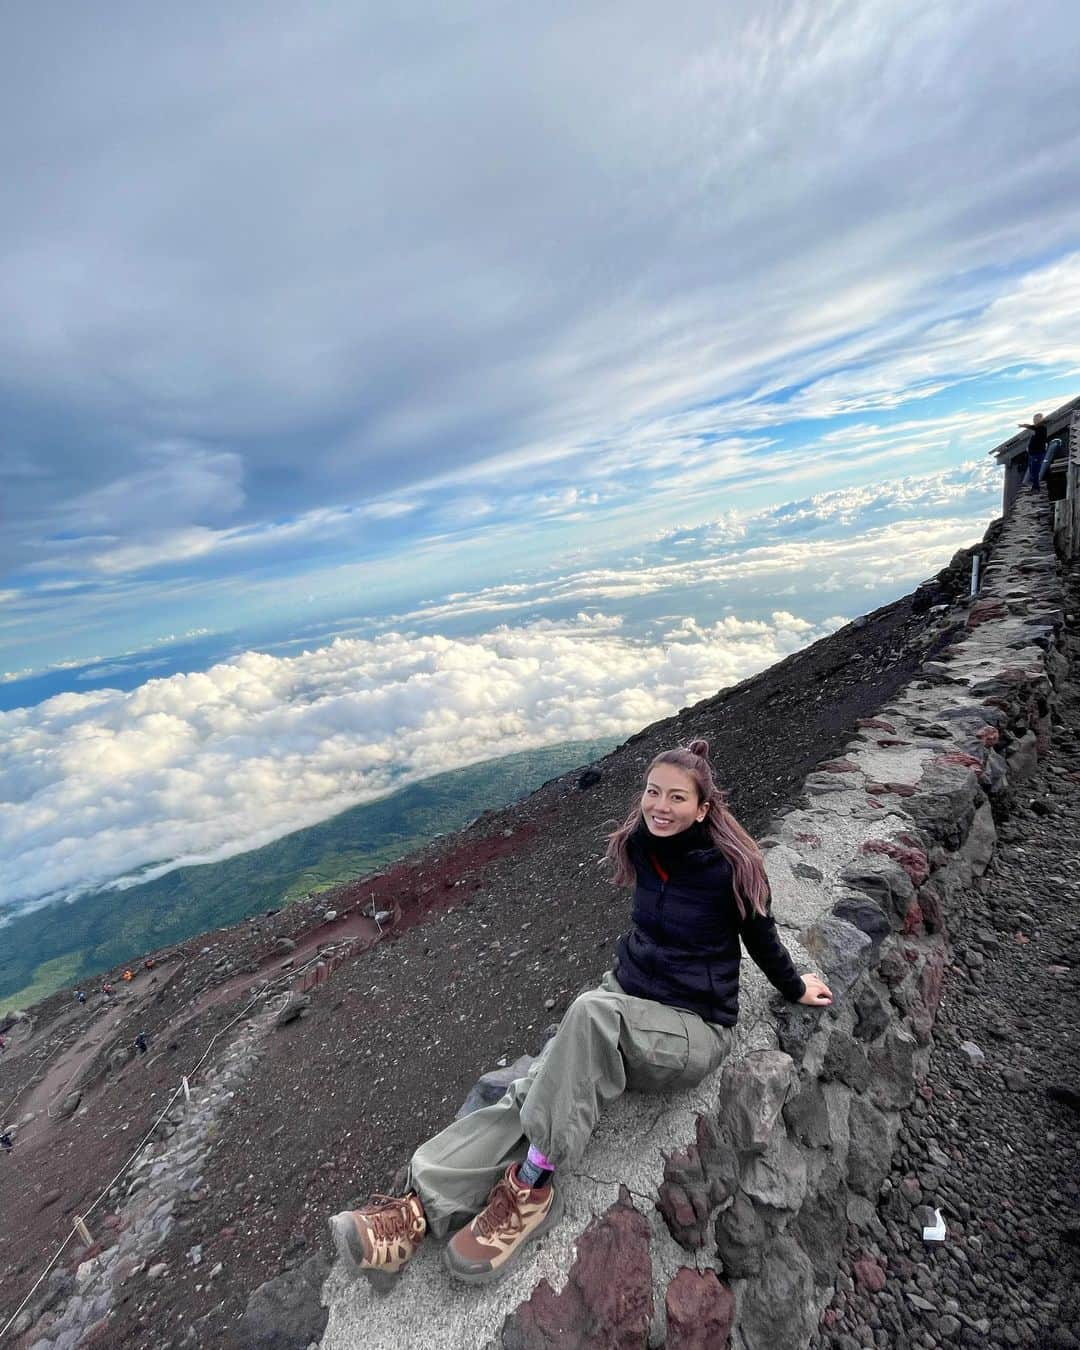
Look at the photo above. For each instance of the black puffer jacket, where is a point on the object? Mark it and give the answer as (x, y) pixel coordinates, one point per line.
(683, 947)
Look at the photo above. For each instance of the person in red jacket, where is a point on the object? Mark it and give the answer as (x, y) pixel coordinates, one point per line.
(660, 1021)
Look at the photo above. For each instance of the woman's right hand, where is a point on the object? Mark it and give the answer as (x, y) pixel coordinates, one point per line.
(816, 992)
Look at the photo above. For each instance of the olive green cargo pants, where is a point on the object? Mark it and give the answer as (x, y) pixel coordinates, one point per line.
(607, 1042)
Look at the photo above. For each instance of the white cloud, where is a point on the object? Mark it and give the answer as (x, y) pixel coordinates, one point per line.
(199, 766)
(159, 548)
(1033, 319)
(173, 482)
(164, 640)
(900, 529)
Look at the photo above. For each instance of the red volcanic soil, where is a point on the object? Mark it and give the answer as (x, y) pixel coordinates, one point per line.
(493, 931)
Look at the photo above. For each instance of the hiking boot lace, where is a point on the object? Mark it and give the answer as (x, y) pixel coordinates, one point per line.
(391, 1219)
(501, 1206)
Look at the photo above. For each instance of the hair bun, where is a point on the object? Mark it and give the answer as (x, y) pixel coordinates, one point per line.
(700, 748)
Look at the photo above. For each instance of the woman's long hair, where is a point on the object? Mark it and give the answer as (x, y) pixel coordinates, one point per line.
(751, 885)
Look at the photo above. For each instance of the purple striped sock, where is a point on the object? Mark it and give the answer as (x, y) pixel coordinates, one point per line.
(536, 1170)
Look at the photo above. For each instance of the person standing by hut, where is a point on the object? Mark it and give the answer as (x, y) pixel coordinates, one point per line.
(1036, 450)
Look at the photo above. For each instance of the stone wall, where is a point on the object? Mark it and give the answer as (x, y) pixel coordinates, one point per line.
(722, 1212)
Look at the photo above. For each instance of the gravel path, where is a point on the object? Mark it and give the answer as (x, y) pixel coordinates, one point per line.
(993, 1142)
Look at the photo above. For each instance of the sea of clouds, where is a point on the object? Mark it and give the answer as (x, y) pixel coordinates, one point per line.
(200, 766)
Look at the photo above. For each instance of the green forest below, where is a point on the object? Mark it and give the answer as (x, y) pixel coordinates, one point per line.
(64, 943)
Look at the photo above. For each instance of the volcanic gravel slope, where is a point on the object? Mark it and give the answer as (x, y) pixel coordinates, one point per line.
(993, 1141)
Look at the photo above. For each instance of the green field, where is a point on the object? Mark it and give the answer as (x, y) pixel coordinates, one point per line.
(48, 978)
(64, 943)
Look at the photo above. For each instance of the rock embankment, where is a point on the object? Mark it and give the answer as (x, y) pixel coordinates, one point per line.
(991, 1140)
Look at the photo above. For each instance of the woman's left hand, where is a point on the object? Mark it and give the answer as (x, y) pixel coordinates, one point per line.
(818, 994)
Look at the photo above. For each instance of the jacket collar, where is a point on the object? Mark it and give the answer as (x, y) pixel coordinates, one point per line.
(675, 853)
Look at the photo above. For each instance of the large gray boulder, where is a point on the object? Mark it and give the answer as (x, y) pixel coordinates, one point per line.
(740, 1238)
(752, 1093)
(777, 1177)
(286, 1313)
(779, 1310)
(295, 1006)
(821, 1224)
(872, 1135)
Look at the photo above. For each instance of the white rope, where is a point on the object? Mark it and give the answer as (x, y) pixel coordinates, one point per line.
(263, 993)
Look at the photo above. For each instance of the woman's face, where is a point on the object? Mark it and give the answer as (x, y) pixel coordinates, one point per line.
(670, 802)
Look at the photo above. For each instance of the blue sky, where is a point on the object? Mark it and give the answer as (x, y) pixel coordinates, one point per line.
(342, 323)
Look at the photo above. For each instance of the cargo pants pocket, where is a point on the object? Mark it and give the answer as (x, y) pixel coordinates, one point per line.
(671, 1049)
(655, 1050)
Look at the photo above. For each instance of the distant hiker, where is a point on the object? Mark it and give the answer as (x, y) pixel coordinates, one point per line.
(660, 1021)
(107, 989)
(80, 994)
(1036, 449)
(128, 975)
(140, 1043)
(148, 964)
(6, 1142)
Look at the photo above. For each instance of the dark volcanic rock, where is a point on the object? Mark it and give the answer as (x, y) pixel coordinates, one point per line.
(871, 1147)
(845, 1061)
(740, 1238)
(892, 1068)
(871, 1015)
(778, 1309)
(295, 1006)
(821, 1224)
(695, 1182)
(843, 950)
(868, 916)
(285, 1313)
(807, 1116)
(795, 1025)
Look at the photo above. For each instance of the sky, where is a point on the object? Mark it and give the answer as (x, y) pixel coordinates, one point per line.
(352, 361)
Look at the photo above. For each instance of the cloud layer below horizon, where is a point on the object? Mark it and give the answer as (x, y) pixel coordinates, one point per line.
(197, 767)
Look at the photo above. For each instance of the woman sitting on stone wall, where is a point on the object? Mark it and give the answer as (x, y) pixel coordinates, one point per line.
(660, 1021)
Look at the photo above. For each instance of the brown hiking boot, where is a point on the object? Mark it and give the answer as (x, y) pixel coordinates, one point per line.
(380, 1238)
(485, 1249)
